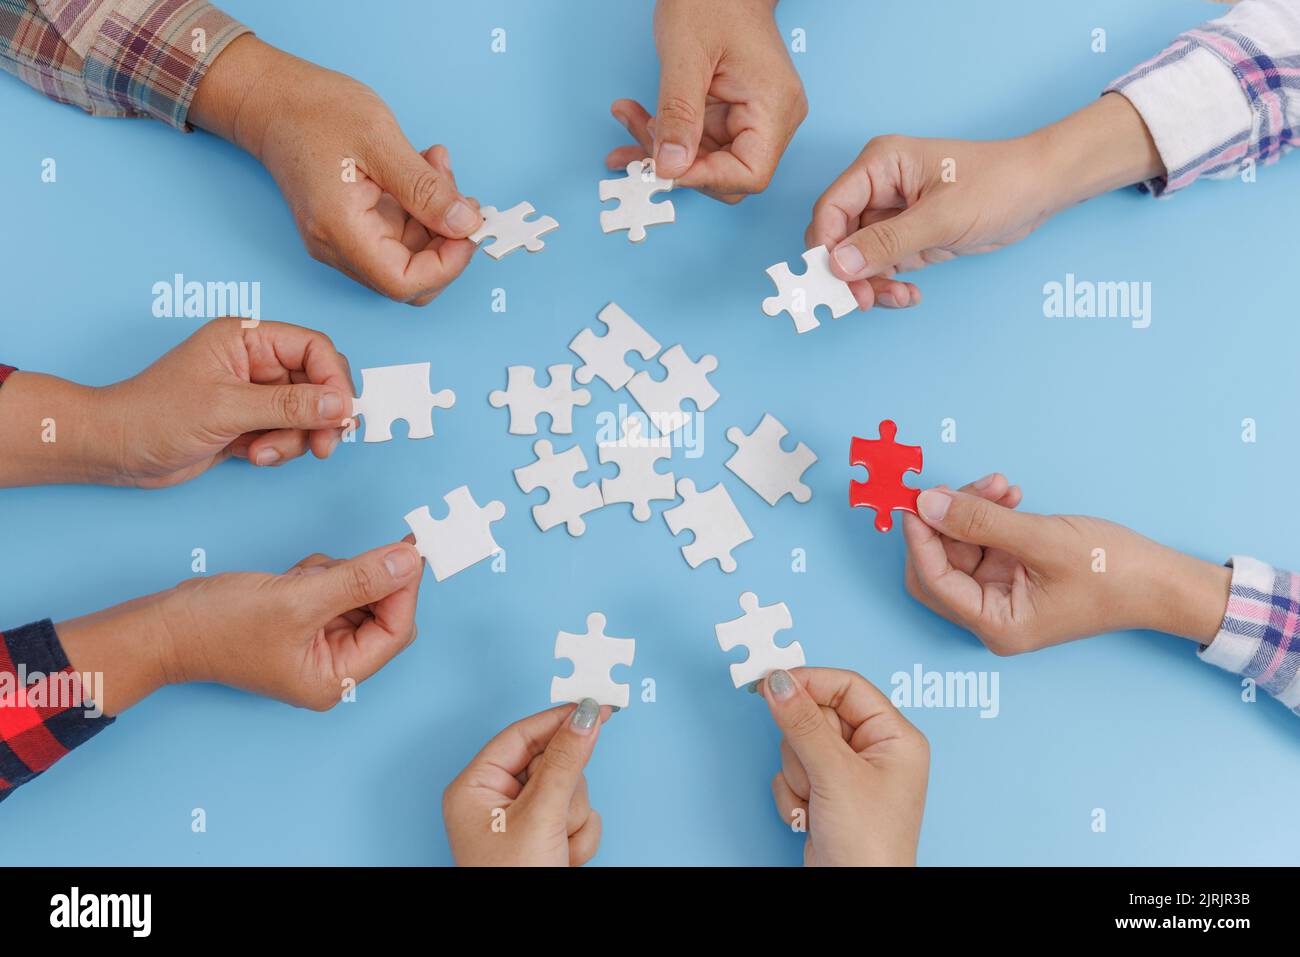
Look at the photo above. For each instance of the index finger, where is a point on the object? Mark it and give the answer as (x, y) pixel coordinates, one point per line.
(858, 702)
(275, 348)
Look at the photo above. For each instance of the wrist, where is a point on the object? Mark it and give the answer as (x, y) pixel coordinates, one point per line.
(124, 646)
(54, 433)
(1102, 147)
(232, 99)
(1182, 595)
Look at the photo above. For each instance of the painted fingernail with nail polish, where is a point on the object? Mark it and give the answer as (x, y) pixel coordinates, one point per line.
(754, 686)
(781, 683)
(584, 718)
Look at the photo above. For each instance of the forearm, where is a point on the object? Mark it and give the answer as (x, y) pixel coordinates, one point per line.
(129, 646)
(52, 433)
(1102, 147)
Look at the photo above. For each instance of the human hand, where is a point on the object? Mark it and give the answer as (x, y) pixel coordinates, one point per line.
(266, 393)
(366, 202)
(1021, 582)
(905, 202)
(853, 769)
(303, 637)
(729, 99)
(523, 800)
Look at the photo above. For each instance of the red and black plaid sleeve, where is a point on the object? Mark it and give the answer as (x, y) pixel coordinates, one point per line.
(44, 713)
(6, 372)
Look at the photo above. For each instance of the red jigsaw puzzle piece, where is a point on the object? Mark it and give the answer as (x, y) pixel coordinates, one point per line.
(886, 463)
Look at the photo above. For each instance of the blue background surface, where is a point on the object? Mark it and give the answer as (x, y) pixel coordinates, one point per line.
(1141, 426)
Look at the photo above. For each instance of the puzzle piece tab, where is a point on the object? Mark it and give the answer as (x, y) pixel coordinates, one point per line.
(462, 539)
(756, 629)
(662, 399)
(512, 229)
(801, 295)
(593, 655)
(527, 399)
(637, 481)
(713, 517)
(603, 355)
(767, 468)
(886, 463)
(635, 211)
(390, 393)
(567, 501)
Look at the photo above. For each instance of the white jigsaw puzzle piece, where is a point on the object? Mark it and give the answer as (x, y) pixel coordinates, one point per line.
(756, 629)
(527, 399)
(462, 539)
(800, 295)
(764, 466)
(603, 355)
(635, 211)
(593, 655)
(662, 399)
(568, 501)
(637, 481)
(512, 229)
(713, 517)
(389, 393)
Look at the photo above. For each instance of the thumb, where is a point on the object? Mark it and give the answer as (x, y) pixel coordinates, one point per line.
(287, 406)
(551, 786)
(970, 518)
(877, 248)
(329, 591)
(819, 747)
(427, 191)
(679, 117)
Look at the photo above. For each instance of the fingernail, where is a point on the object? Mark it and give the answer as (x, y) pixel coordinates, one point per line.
(984, 482)
(400, 562)
(461, 217)
(671, 155)
(266, 457)
(754, 686)
(781, 683)
(933, 505)
(614, 709)
(887, 299)
(584, 718)
(850, 259)
(330, 406)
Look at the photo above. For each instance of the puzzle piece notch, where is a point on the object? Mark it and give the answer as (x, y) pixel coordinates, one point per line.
(567, 501)
(801, 295)
(764, 466)
(390, 393)
(527, 399)
(464, 538)
(637, 481)
(886, 462)
(635, 211)
(604, 355)
(686, 379)
(713, 517)
(756, 629)
(594, 654)
(512, 229)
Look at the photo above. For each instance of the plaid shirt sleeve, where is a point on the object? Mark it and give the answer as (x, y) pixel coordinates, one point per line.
(1260, 634)
(115, 57)
(1224, 96)
(44, 710)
